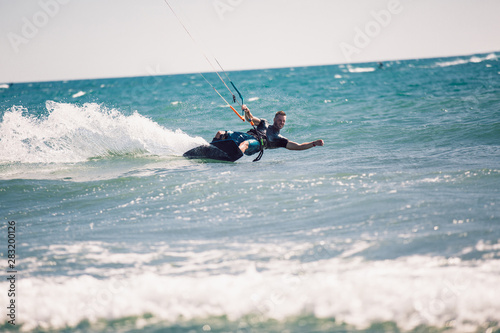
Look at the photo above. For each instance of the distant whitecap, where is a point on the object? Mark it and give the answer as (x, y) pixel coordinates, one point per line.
(79, 94)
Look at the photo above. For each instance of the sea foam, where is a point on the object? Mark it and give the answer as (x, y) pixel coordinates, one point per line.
(462, 61)
(412, 291)
(70, 133)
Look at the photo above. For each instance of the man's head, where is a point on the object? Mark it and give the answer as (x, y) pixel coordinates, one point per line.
(280, 119)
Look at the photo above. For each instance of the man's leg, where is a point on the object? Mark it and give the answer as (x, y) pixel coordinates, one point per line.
(220, 135)
(243, 146)
(239, 139)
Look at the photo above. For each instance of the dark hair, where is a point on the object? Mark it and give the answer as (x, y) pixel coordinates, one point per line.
(280, 113)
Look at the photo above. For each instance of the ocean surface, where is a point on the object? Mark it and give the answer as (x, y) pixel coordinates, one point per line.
(392, 226)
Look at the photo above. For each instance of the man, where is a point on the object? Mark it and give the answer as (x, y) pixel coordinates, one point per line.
(269, 135)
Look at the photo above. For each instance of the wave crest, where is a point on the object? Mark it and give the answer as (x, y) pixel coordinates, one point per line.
(72, 133)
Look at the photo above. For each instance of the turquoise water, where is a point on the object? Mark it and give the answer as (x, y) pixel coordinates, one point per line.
(392, 226)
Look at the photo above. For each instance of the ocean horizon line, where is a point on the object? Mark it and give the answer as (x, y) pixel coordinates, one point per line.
(135, 76)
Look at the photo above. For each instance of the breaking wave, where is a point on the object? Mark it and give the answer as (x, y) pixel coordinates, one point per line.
(71, 133)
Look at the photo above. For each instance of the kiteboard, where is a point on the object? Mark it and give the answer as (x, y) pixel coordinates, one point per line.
(223, 150)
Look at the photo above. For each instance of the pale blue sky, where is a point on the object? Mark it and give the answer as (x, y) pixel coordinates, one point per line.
(74, 39)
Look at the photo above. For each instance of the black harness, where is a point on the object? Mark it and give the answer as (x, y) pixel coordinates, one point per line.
(262, 141)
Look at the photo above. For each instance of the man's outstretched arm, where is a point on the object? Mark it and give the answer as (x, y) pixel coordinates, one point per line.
(303, 146)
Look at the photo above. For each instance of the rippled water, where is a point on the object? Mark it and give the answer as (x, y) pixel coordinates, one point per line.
(392, 225)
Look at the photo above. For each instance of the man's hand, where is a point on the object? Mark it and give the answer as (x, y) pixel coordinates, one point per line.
(318, 143)
(248, 116)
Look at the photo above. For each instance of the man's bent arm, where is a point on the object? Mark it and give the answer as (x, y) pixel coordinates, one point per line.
(303, 146)
(249, 116)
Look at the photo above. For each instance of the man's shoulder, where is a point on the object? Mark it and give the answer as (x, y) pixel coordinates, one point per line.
(263, 124)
